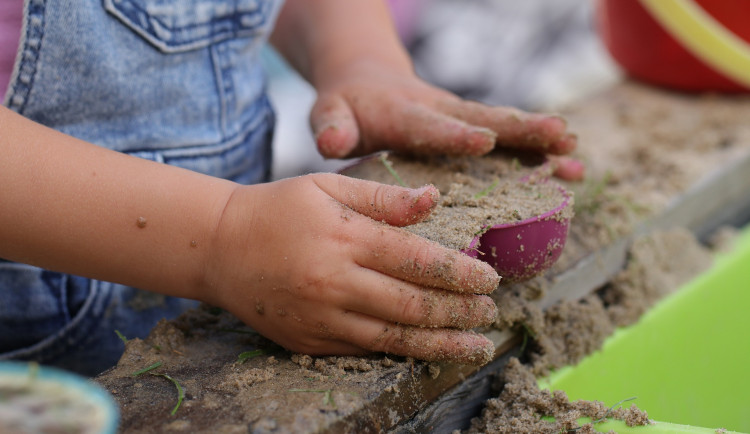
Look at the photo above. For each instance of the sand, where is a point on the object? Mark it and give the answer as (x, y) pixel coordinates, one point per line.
(523, 408)
(274, 389)
(476, 193)
(203, 351)
(569, 331)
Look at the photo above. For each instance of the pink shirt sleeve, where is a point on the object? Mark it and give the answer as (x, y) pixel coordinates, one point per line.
(11, 17)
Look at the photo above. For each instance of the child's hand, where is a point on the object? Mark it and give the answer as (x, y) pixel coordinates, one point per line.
(309, 263)
(368, 107)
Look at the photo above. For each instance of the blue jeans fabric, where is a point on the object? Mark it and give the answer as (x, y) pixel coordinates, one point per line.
(174, 81)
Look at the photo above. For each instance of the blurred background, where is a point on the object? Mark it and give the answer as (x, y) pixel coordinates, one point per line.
(538, 55)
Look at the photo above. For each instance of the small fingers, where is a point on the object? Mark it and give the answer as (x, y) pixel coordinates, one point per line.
(398, 253)
(411, 258)
(398, 206)
(425, 131)
(516, 128)
(465, 347)
(401, 302)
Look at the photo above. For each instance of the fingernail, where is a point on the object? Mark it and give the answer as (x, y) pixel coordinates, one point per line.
(428, 191)
(487, 278)
(490, 313)
(561, 119)
(482, 351)
(574, 164)
(481, 141)
(569, 169)
(578, 166)
(566, 144)
(334, 141)
(323, 129)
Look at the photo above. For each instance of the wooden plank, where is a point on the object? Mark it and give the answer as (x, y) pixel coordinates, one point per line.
(722, 197)
(455, 408)
(424, 389)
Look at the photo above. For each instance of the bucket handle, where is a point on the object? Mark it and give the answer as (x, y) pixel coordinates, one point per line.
(704, 36)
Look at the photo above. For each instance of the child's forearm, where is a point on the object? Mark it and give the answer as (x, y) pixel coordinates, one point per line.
(71, 206)
(322, 37)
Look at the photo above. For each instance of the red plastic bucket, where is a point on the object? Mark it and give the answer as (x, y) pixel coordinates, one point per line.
(690, 45)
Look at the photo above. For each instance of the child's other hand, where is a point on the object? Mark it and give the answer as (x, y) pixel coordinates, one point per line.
(309, 263)
(368, 107)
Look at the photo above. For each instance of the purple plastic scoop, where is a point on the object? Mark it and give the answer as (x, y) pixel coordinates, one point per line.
(523, 249)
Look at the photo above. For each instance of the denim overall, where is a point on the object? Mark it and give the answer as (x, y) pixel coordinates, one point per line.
(173, 81)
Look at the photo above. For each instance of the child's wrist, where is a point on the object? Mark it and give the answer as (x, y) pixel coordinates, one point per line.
(227, 238)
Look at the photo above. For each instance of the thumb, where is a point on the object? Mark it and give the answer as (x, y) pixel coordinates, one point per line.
(334, 126)
(397, 206)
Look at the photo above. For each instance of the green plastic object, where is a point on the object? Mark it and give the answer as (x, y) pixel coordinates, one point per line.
(686, 360)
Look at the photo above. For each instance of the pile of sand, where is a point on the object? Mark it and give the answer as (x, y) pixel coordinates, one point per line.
(476, 193)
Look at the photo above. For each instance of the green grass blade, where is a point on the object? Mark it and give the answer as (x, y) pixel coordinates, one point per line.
(146, 369)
